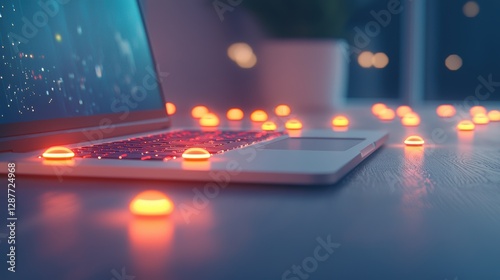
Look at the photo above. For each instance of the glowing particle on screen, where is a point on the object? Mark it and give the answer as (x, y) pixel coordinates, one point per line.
(453, 62)
(79, 30)
(471, 9)
(258, 116)
(380, 60)
(494, 115)
(465, 125)
(365, 59)
(196, 154)
(80, 102)
(209, 120)
(58, 37)
(269, 126)
(293, 124)
(282, 110)
(340, 121)
(198, 111)
(377, 108)
(477, 110)
(234, 114)
(58, 152)
(411, 119)
(401, 111)
(414, 140)
(480, 118)
(387, 114)
(98, 71)
(170, 107)
(151, 203)
(445, 111)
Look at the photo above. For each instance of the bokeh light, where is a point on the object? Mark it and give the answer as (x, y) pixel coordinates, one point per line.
(453, 62)
(282, 110)
(480, 118)
(380, 60)
(170, 107)
(387, 114)
(195, 154)
(258, 116)
(209, 119)
(466, 125)
(477, 110)
(234, 114)
(340, 121)
(471, 9)
(293, 124)
(365, 59)
(151, 203)
(411, 119)
(377, 108)
(242, 54)
(269, 126)
(445, 111)
(198, 111)
(58, 152)
(414, 140)
(494, 115)
(401, 111)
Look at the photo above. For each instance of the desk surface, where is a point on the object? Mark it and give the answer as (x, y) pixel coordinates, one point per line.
(431, 213)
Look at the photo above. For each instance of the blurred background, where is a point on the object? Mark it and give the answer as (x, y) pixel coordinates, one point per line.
(441, 50)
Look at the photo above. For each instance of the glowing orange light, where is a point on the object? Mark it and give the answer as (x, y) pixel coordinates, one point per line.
(282, 110)
(480, 118)
(198, 111)
(446, 111)
(341, 121)
(293, 124)
(377, 108)
(494, 115)
(466, 125)
(196, 154)
(268, 126)
(209, 119)
(58, 152)
(170, 107)
(414, 140)
(258, 116)
(401, 111)
(411, 119)
(234, 114)
(387, 114)
(477, 110)
(151, 203)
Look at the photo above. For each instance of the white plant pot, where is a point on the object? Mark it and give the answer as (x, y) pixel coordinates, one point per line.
(308, 75)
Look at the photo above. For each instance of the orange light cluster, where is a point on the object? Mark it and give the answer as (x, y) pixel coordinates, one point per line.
(170, 107)
(494, 115)
(411, 119)
(234, 114)
(195, 154)
(387, 114)
(269, 126)
(293, 124)
(340, 121)
(414, 140)
(258, 116)
(58, 152)
(446, 111)
(466, 125)
(151, 203)
(198, 111)
(282, 110)
(477, 110)
(377, 108)
(401, 111)
(480, 118)
(209, 120)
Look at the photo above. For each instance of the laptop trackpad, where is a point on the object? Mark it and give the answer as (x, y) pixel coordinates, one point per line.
(314, 144)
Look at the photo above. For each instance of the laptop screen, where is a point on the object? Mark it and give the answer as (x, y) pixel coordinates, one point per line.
(65, 59)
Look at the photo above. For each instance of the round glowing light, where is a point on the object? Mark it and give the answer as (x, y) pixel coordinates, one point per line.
(365, 59)
(268, 126)
(293, 124)
(377, 108)
(466, 125)
(480, 118)
(240, 52)
(58, 152)
(380, 60)
(411, 119)
(198, 111)
(340, 121)
(471, 9)
(58, 37)
(209, 119)
(196, 154)
(494, 115)
(247, 64)
(170, 107)
(477, 110)
(453, 62)
(414, 140)
(387, 114)
(258, 116)
(282, 110)
(446, 111)
(234, 114)
(401, 111)
(151, 203)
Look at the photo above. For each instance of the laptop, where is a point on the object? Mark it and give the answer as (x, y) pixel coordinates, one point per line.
(81, 74)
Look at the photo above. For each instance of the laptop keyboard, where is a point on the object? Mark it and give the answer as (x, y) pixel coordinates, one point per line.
(171, 145)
